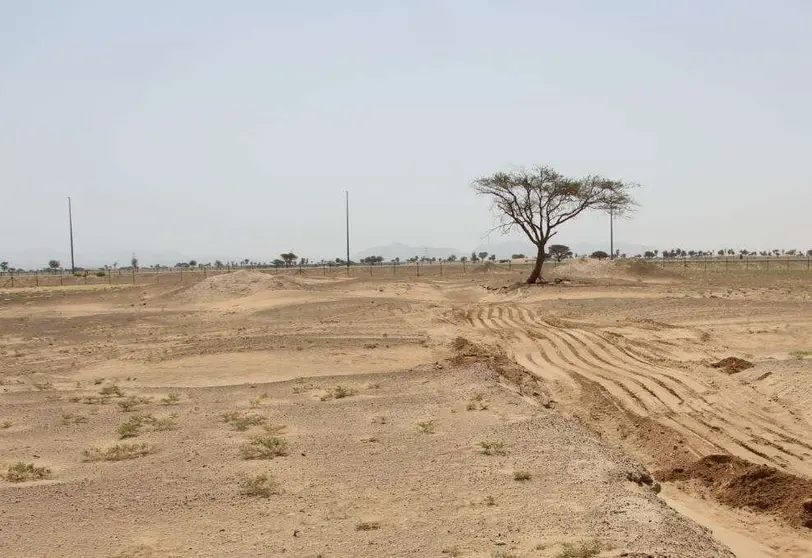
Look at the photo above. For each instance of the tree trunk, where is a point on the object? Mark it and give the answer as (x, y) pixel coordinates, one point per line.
(536, 273)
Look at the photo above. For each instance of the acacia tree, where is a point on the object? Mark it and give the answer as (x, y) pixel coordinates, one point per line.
(538, 201)
(288, 258)
(559, 252)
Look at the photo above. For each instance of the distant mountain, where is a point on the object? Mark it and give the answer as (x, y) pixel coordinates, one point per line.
(404, 251)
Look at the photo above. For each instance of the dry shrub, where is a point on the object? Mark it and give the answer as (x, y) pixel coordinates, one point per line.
(119, 452)
(23, 472)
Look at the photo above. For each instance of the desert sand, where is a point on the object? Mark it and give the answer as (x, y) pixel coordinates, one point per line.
(622, 410)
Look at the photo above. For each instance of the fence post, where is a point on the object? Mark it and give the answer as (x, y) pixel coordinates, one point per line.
(181, 275)
(463, 268)
(133, 275)
(12, 279)
(441, 269)
(61, 278)
(417, 266)
(36, 274)
(727, 260)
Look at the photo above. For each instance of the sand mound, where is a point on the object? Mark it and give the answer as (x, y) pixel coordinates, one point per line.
(622, 270)
(739, 483)
(732, 365)
(239, 284)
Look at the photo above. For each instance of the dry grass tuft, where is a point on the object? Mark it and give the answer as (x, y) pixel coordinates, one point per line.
(265, 447)
(110, 391)
(23, 472)
(477, 403)
(493, 448)
(338, 392)
(522, 476)
(119, 452)
(368, 526)
(260, 486)
(427, 426)
(379, 420)
(44, 386)
(5, 424)
(133, 402)
(453, 551)
(584, 549)
(69, 418)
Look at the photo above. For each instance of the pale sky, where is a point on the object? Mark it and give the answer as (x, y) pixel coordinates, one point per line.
(214, 127)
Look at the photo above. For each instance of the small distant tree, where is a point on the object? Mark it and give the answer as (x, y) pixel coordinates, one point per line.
(474, 257)
(809, 252)
(599, 255)
(278, 263)
(134, 262)
(648, 254)
(465, 258)
(451, 258)
(4, 266)
(538, 201)
(288, 258)
(559, 252)
(518, 257)
(482, 255)
(218, 264)
(53, 265)
(397, 260)
(492, 257)
(192, 263)
(792, 252)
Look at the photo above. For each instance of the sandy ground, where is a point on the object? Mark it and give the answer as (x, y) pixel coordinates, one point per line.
(379, 394)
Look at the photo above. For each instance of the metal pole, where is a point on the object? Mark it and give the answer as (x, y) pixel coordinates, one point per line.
(70, 224)
(347, 203)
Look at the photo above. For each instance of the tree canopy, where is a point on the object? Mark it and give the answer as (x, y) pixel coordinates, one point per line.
(539, 200)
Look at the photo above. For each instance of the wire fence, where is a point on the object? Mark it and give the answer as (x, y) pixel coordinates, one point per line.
(146, 276)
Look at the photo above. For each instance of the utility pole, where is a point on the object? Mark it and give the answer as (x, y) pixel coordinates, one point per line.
(347, 201)
(70, 224)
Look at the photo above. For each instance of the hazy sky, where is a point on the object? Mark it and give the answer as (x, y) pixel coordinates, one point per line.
(214, 127)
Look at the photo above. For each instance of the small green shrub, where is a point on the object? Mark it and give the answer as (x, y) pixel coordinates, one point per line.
(138, 423)
(132, 402)
(493, 448)
(23, 472)
(100, 274)
(338, 392)
(260, 486)
(241, 422)
(171, 399)
(69, 418)
(265, 447)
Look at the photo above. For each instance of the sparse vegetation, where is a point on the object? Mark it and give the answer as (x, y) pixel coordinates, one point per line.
(522, 476)
(584, 549)
(490, 501)
(171, 399)
(265, 447)
(242, 422)
(5, 424)
(110, 391)
(379, 420)
(132, 402)
(70, 418)
(338, 392)
(426, 426)
(800, 355)
(138, 423)
(454, 552)
(502, 554)
(43, 386)
(119, 452)
(260, 486)
(23, 472)
(477, 403)
(368, 526)
(493, 448)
